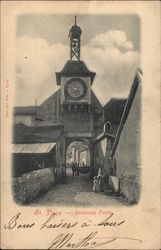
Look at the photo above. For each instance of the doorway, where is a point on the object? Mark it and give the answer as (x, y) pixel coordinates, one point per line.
(78, 152)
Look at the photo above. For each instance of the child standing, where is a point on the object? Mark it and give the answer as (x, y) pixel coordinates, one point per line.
(96, 184)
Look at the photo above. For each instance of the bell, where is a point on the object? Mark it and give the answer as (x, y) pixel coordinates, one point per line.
(75, 43)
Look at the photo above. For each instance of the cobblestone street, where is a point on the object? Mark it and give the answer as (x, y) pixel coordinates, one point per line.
(77, 191)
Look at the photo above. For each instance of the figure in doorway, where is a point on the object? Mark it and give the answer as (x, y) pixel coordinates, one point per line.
(75, 169)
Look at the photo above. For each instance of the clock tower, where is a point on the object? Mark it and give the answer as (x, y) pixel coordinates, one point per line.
(75, 78)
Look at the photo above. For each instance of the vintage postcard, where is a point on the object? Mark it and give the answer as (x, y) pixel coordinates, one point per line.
(80, 125)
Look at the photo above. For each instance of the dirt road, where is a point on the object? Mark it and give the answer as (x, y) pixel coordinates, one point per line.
(76, 192)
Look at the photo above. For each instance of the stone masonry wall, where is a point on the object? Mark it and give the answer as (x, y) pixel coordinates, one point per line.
(130, 188)
(30, 185)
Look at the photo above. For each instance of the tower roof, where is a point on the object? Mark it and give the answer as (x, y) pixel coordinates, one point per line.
(75, 68)
(113, 109)
(75, 31)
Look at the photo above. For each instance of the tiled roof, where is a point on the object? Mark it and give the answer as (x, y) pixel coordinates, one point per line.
(34, 148)
(95, 104)
(75, 68)
(126, 111)
(113, 110)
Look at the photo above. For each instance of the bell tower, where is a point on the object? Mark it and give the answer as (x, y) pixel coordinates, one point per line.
(75, 79)
(75, 41)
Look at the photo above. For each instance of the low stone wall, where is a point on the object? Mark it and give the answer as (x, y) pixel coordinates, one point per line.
(129, 188)
(30, 185)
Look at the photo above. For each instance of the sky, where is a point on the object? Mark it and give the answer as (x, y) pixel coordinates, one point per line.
(110, 46)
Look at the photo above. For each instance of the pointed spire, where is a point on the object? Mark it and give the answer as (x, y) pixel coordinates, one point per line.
(75, 20)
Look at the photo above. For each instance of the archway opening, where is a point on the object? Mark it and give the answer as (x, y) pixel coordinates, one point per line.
(78, 152)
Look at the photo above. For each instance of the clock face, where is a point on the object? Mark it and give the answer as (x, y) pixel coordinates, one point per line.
(75, 89)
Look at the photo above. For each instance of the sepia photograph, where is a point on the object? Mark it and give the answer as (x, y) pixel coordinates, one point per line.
(80, 125)
(76, 119)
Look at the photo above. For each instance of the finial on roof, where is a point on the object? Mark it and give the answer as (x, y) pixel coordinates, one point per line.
(75, 20)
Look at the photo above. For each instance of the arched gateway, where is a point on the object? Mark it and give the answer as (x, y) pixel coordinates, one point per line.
(72, 113)
(78, 150)
(78, 108)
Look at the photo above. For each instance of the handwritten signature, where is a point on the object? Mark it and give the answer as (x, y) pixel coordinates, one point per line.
(90, 241)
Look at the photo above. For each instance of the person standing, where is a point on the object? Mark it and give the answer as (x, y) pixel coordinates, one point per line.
(95, 184)
(101, 180)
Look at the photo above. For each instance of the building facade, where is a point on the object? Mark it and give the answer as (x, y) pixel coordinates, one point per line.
(74, 106)
(125, 151)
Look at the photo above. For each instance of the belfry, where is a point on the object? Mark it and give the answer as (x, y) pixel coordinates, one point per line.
(75, 41)
(75, 79)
